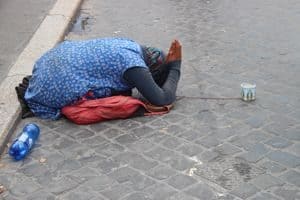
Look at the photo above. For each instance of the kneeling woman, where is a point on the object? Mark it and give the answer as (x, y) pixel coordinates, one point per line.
(99, 68)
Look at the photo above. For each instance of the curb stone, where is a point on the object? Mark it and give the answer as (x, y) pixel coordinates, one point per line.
(51, 31)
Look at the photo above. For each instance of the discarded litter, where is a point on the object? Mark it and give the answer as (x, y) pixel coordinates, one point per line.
(24, 142)
(42, 160)
(248, 91)
(116, 32)
(2, 189)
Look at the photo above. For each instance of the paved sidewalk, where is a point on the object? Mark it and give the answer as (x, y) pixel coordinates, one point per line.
(203, 149)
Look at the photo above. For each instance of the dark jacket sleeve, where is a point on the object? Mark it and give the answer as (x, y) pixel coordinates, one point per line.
(142, 79)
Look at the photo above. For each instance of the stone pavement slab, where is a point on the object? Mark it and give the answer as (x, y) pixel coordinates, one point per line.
(202, 149)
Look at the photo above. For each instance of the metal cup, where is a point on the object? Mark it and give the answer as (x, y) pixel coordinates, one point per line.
(248, 92)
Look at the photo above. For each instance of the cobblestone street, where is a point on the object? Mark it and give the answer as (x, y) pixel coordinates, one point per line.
(204, 148)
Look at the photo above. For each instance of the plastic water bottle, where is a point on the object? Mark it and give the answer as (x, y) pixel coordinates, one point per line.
(24, 142)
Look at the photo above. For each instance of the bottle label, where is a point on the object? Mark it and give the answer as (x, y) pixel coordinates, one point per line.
(30, 141)
(23, 138)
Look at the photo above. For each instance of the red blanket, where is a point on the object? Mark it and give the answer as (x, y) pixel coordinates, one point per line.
(115, 107)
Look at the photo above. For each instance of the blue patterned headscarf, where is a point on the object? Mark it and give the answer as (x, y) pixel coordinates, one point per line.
(155, 60)
(154, 57)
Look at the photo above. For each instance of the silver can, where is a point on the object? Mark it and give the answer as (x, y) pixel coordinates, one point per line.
(248, 92)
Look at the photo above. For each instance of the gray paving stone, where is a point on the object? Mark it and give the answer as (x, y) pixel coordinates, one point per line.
(292, 134)
(85, 173)
(74, 151)
(224, 133)
(278, 142)
(237, 114)
(99, 127)
(144, 119)
(278, 129)
(93, 141)
(283, 119)
(159, 123)
(284, 158)
(140, 183)
(255, 121)
(156, 137)
(255, 153)
(256, 136)
(226, 197)
(264, 196)
(201, 191)
(134, 179)
(116, 192)
(83, 134)
(129, 124)
(175, 129)
(160, 191)
(135, 160)
(294, 149)
(48, 138)
(142, 131)
(67, 128)
(47, 178)
(40, 195)
(245, 190)
(181, 163)
(141, 146)
(81, 193)
(190, 135)
(138, 196)
(229, 173)
(123, 174)
(266, 181)
(181, 181)
(99, 183)
(63, 143)
(205, 116)
(209, 155)
(173, 117)
(273, 167)
(227, 149)
(35, 170)
(288, 193)
(209, 141)
(180, 196)
(242, 142)
(89, 158)
(108, 149)
(127, 139)
(23, 186)
(112, 133)
(108, 165)
(69, 165)
(292, 177)
(53, 160)
(7, 196)
(161, 172)
(171, 142)
(62, 185)
(53, 125)
(189, 149)
(161, 154)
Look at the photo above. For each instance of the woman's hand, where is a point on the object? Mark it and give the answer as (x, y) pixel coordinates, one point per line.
(174, 53)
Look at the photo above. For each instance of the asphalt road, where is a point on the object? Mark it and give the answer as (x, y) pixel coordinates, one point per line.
(19, 19)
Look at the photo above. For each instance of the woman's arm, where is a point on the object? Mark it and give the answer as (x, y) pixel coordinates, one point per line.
(142, 79)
